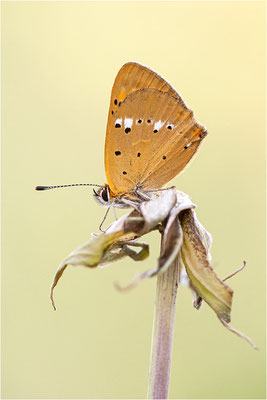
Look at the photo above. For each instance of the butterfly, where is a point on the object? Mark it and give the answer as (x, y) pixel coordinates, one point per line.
(151, 136)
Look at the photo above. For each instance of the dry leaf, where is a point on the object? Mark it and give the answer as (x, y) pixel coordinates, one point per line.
(183, 238)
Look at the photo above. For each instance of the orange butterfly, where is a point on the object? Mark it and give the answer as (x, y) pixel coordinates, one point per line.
(151, 136)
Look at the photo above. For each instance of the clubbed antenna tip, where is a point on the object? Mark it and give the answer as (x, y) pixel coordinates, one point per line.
(41, 187)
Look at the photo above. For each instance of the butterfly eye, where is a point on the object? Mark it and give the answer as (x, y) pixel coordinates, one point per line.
(104, 194)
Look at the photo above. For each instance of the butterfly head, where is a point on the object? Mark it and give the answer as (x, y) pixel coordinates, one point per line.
(102, 195)
(107, 198)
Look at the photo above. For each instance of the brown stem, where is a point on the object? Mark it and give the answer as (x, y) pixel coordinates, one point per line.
(162, 336)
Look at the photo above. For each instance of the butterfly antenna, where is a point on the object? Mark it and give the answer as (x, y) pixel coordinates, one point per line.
(62, 186)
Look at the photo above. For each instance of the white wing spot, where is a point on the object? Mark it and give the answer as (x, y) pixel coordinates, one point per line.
(170, 126)
(158, 125)
(188, 145)
(118, 121)
(128, 122)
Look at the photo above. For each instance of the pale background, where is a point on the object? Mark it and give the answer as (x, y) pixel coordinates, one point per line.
(59, 60)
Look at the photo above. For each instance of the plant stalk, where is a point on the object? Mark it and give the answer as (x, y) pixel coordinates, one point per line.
(162, 335)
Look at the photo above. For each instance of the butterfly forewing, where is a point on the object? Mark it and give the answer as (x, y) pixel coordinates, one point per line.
(150, 139)
(131, 77)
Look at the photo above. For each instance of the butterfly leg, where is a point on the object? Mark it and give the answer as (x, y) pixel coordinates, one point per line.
(103, 220)
(142, 195)
(115, 214)
(159, 190)
(131, 203)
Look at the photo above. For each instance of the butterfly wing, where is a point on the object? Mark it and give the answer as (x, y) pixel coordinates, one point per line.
(151, 137)
(133, 76)
(130, 78)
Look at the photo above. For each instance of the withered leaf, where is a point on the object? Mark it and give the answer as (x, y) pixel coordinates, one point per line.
(203, 278)
(183, 239)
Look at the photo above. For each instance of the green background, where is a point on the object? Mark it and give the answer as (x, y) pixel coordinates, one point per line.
(59, 61)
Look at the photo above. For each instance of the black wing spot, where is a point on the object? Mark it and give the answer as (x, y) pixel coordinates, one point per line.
(119, 103)
(115, 102)
(127, 130)
(124, 173)
(169, 127)
(185, 147)
(155, 131)
(148, 121)
(112, 112)
(138, 154)
(164, 157)
(117, 153)
(118, 126)
(140, 121)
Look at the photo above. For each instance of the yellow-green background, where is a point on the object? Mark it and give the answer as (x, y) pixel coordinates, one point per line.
(59, 60)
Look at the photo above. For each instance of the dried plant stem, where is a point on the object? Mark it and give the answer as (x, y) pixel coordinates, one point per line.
(162, 336)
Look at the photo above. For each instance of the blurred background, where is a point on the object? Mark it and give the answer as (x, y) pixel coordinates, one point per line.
(59, 61)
